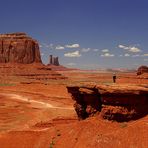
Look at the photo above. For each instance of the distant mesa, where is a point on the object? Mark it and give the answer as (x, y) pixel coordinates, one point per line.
(53, 60)
(142, 69)
(19, 48)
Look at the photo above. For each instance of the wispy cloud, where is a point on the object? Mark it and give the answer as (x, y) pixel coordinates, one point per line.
(45, 45)
(105, 50)
(59, 47)
(130, 48)
(145, 55)
(126, 55)
(71, 64)
(95, 50)
(85, 49)
(123, 47)
(40, 46)
(42, 54)
(50, 46)
(73, 54)
(107, 55)
(136, 55)
(72, 46)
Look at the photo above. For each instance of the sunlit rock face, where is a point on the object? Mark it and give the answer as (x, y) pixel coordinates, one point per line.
(19, 48)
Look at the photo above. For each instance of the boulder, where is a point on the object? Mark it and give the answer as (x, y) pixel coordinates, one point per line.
(19, 48)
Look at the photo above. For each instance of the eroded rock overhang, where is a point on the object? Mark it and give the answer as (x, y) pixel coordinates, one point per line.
(112, 102)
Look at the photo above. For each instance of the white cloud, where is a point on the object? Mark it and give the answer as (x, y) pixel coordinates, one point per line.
(120, 55)
(130, 48)
(71, 64)
(107, 55)
(105, 50)
(126, 55)
(73, 54)
(134, 49)
(145, 55)
(85, 49)
(59, 47)
(123, 47)
(72, 46)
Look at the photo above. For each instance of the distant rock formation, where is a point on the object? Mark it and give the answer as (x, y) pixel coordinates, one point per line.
(53, 60)
(142, 69)
(19, 48)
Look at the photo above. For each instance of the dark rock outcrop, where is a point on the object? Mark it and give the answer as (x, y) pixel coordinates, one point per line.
(53, 60)
(18, 48)
(120, 103)
(87, 100)
(123, 103)
(142, 69)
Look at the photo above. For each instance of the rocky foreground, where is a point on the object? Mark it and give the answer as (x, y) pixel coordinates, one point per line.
(113, 102)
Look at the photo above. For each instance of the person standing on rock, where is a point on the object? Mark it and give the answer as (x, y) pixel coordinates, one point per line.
(114, 78)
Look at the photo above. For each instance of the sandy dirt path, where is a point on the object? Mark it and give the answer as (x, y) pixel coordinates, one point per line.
(39, 104)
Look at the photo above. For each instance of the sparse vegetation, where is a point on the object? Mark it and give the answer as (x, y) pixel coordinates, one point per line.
(123, 125)
(6, 84)
(52, 143)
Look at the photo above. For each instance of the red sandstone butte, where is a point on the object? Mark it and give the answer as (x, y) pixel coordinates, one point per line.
(19, 48)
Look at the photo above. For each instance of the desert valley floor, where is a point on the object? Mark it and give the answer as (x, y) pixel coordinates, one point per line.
(39, 113)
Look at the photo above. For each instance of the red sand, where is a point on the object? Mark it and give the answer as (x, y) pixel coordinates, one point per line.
(42, 115)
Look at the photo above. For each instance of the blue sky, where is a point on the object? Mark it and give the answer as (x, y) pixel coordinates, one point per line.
(88, 34)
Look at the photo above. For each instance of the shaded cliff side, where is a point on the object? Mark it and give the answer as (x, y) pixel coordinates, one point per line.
(142, 69)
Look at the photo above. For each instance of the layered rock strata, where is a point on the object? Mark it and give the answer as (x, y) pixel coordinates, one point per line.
(19, 48)
(87, 100)
(27, 73)
(120, 103)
